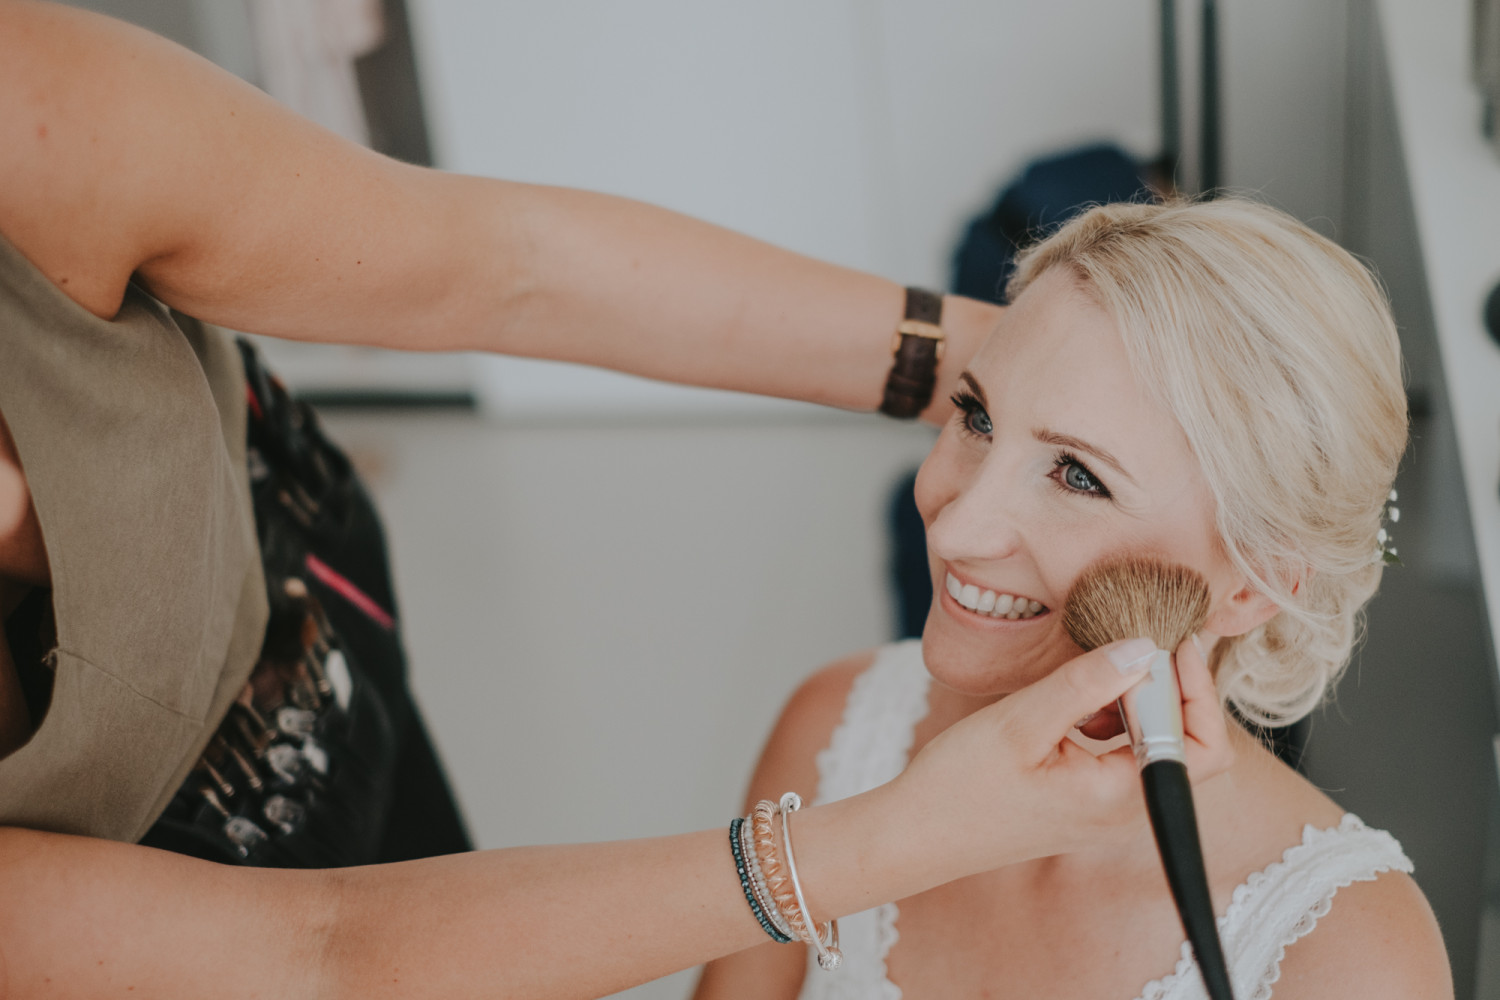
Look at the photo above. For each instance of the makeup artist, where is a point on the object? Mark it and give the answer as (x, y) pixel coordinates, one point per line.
(201, 650)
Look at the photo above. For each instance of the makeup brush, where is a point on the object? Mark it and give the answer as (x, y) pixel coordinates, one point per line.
(1123, 598)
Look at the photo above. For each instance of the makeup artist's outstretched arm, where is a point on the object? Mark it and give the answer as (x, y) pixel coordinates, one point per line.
(81, 917)
(123, 154)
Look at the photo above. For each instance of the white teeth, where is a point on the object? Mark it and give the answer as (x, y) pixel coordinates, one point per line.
(988, 602)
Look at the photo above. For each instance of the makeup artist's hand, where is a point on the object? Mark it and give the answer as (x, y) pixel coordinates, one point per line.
(1204, 722)
(1198, 694)
(1006, 783)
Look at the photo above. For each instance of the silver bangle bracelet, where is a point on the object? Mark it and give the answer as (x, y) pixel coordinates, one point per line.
(829, 956)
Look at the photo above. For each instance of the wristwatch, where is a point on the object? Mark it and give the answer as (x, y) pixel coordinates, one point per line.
(917, 347)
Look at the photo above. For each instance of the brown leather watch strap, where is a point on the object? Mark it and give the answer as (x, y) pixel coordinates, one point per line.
(917, 348)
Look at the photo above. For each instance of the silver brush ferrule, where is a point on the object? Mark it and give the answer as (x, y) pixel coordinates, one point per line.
(1153, 713)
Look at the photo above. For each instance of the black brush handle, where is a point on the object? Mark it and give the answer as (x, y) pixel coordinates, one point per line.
(1169, 800)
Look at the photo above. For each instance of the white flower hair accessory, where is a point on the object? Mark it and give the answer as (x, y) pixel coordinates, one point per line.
(1385, 545)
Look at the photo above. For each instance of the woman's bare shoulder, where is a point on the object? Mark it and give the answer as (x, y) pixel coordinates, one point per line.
(1379, 941)
(818, 702)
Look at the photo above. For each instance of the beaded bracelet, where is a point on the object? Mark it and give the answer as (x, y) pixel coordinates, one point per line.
(758, 882)
(748, 886)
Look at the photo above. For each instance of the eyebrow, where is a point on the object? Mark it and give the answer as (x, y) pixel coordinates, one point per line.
(1046, 436)
(974, 387)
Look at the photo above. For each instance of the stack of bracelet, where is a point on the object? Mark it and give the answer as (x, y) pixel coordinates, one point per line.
(772, 888)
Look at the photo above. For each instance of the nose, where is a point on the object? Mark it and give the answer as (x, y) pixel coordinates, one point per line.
(977, 519)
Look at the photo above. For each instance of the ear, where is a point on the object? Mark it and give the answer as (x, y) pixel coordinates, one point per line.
(1242, 611)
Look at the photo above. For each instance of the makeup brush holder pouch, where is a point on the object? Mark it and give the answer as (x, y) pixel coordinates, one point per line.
(300, 771)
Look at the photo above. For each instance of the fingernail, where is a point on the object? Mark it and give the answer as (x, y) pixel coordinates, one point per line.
(1131, 656)
(1085, 720)
(1198, 644)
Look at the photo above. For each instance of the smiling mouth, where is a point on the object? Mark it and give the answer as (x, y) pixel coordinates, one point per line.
(992, 604)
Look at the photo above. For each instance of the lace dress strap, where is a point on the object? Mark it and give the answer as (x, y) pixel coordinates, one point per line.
(869, 747)
(873, 740)
(1282, 903)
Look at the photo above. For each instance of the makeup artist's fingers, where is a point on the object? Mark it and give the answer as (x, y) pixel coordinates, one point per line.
(1203, 719)
(1006, 783)
(1043, 713)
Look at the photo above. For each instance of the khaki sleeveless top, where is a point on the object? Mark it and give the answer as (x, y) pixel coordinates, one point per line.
(131, 433)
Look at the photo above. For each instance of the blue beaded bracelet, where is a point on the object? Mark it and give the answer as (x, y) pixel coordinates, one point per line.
(744, 872)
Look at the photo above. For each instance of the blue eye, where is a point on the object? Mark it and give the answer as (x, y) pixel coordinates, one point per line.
(975, 420)
(1074, 476)
(1078, 478)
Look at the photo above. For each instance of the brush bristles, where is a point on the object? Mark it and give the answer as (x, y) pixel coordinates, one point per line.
(1135, 596)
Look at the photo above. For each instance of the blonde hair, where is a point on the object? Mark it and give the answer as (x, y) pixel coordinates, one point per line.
(1276, 352)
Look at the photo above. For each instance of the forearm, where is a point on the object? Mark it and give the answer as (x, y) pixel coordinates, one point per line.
(82, 917)
(589, 920)
(463, 263)
(620, 284)
(568, 921)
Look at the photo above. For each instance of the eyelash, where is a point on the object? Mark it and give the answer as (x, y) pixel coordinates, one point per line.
(1067, 459)
(970, 407)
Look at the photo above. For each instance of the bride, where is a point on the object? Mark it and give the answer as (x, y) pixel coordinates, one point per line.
(1218, 385)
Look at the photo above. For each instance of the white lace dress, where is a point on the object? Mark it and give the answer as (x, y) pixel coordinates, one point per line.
(1268, 912)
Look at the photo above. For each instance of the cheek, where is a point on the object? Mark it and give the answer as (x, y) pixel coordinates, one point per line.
(1188, 538)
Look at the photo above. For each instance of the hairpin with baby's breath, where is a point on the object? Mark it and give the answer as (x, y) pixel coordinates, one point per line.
(1385, 545)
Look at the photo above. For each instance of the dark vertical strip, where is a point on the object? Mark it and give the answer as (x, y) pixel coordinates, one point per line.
(1209, 177)
(392, 93)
